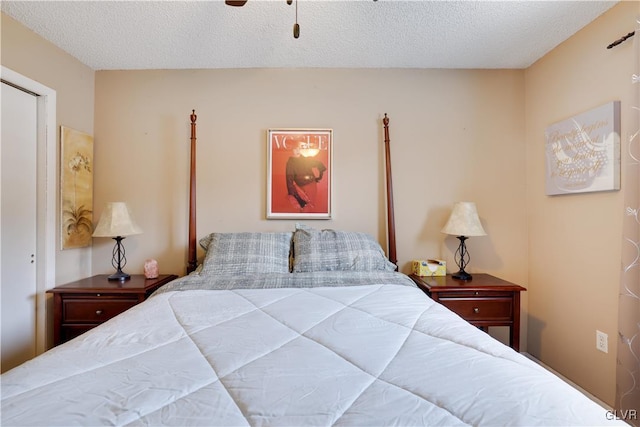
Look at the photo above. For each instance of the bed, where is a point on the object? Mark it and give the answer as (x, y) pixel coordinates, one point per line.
(304, 327)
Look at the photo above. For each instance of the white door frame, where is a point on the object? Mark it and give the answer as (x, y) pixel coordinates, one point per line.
(46, 195)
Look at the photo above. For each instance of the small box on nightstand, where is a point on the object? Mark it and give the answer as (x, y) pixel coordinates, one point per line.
(430, 267)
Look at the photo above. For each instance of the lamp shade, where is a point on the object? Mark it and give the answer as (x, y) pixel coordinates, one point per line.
(464, 221)
(116, 220)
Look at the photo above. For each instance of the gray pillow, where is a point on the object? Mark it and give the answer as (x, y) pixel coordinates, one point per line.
(206, 241)
(331, 250)
(246, 253)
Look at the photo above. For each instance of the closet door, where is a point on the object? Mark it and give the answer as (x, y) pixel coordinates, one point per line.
(18, 227)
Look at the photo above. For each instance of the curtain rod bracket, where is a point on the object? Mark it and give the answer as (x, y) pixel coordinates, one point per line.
(621, 39)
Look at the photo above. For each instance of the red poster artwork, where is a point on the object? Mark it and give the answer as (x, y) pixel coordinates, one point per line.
(299, 173)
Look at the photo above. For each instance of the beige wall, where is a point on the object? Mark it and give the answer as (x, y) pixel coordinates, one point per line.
(575, 240)
(26, 53)
(455, 135)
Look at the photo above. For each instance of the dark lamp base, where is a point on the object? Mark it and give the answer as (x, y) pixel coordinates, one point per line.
(462, 275)
(119, 261)
(120, 276)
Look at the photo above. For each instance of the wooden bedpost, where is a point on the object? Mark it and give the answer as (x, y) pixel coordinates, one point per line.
(192, 262)
(391, 224)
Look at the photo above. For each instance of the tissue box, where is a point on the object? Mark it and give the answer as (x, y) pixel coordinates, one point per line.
(430, 267)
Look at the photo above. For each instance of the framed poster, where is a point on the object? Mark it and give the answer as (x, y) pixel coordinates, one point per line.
(299, 173)
(76, 193)
(583, 152)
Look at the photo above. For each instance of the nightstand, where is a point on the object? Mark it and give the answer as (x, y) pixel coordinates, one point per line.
(84, 304)
(484, 301)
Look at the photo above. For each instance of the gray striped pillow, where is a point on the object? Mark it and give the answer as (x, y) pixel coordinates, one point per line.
(330, 250)
(247, 253)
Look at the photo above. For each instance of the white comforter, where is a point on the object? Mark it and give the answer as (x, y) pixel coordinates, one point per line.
(361, 355)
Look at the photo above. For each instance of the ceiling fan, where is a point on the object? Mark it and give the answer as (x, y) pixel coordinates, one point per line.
(240, 3)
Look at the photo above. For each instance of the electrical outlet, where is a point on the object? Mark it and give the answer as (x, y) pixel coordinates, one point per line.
(602, 341)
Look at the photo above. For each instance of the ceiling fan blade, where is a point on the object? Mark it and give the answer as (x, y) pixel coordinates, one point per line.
(236, 3)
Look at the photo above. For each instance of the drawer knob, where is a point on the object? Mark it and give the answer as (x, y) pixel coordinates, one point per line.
(476, 310)
(477, 293)
(98, 312)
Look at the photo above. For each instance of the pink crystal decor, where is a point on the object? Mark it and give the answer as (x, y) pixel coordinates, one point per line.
(151, 269)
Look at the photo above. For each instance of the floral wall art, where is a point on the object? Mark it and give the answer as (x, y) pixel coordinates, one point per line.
(76, 183)
(583, 152)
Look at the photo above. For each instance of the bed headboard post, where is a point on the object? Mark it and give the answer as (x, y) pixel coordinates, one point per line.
(391, 224)
(192, 261)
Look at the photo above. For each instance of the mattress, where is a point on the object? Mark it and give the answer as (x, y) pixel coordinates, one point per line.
(233, 353)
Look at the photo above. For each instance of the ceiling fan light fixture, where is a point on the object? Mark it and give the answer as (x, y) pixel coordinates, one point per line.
(235, 3)
(296, 27)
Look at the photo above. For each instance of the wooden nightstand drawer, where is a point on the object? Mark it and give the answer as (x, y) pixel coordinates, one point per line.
(484, 301)
(95, 310)
(474, 294)
(84, 304)
(480, 309)
(72, 330)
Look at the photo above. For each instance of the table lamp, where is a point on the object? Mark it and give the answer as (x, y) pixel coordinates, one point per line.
(117, 222)
(463, 223)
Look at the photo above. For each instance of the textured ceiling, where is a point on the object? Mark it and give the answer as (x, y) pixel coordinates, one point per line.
(122, 35)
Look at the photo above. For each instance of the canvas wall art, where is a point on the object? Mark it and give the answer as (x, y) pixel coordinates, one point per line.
(583, 152)
(76, 181)
(299, 173)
